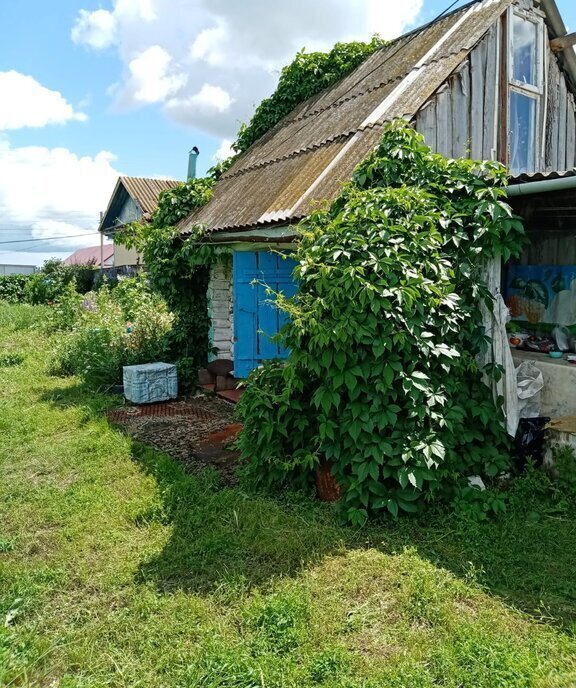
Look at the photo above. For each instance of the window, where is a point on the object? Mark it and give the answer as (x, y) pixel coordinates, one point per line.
(525, 65)
(522, 132)
(525, 77)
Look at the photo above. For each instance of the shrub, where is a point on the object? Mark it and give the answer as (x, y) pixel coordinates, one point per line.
(105, 330)
(13, 287)
(48, 285)
(9, 360)
(383, 379)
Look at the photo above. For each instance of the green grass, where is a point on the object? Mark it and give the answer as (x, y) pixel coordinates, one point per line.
(118, 569)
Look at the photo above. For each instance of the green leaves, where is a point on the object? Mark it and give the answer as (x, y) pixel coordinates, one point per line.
(382, 380)
(305, 76)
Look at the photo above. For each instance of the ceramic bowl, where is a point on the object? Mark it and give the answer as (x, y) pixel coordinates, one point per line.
(555, 354)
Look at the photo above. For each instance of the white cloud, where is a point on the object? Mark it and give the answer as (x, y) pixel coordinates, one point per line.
(96, 29)
(224, 151)
(99, 29)
(144, 10)
(389, 19)
(29, 258)
(26, 103)
(210, 98)
(171, 50)
(150, 76)
(206, 46)
(51, 192)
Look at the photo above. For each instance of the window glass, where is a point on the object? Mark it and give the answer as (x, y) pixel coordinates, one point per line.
(522, 132)
(524, 51)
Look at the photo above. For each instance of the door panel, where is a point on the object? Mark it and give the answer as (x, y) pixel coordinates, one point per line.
(256, 319)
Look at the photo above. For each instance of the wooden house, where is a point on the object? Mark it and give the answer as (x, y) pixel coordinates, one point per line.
(133, 199)
(495, 79)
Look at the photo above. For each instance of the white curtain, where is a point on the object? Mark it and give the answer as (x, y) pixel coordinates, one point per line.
(499, 350)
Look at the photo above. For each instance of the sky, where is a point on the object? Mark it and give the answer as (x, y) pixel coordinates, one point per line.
(91, 89)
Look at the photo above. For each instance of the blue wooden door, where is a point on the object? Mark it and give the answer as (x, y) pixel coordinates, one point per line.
(256, 318)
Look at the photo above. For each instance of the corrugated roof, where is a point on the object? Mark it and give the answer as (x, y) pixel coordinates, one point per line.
(145, 191)
(526, 177)
(308, 155)
(91, 256)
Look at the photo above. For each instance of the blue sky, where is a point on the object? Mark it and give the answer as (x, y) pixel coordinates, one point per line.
(93, 88)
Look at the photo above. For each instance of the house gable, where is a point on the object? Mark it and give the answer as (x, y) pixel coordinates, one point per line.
(447, 78)
(132, 199)
(473, 112)
(308, 155)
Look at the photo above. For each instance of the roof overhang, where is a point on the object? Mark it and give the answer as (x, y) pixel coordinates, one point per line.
(557, 28)
(283, 234)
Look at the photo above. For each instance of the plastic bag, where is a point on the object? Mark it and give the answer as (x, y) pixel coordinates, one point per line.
(530, 384)
(562, 338)
(529, 440)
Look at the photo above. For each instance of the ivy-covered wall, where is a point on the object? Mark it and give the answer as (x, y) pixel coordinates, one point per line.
(386, 331)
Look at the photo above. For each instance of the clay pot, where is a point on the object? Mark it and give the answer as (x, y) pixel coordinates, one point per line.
(326, 486)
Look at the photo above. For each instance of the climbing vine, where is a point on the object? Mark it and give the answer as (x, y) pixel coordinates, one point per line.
(382, 380)
(307, 75)
(178, 267)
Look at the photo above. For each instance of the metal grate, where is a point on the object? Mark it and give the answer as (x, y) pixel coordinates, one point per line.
(122, 415)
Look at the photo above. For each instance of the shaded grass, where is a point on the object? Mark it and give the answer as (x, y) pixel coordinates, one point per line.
(118, 569)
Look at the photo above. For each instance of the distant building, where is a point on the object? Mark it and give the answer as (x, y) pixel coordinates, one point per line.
(133, 199)
(17, 270)
(92, 255)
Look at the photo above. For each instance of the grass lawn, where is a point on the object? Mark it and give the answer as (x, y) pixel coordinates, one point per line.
(118, 569)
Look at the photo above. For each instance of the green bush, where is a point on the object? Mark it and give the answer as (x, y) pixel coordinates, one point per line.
(13, 287)
(105, 330)
(48, 285)
(383, 380)
(9, 360)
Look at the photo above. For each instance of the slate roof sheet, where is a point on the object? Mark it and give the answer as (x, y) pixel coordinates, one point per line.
(307, 156)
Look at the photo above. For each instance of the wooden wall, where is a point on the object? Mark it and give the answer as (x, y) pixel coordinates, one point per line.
(462, 118)
(550, 247)
(560, 142)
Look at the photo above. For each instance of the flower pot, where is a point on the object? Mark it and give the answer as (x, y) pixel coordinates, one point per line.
(327, 487)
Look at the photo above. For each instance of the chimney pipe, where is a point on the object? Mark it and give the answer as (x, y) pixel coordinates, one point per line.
(192, 157)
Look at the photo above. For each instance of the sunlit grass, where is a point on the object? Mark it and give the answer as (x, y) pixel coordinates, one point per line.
(118, 569)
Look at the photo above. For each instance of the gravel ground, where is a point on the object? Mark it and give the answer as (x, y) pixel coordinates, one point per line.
(182, 429)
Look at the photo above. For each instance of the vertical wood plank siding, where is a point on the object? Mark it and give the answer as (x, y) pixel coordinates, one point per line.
(461, 119)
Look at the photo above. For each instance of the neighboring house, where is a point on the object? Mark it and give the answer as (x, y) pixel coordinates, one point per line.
(133, 199)
(16, 270)
(484, 81)
(98, 256)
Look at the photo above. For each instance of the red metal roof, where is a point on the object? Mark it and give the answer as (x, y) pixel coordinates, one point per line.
(91, 256)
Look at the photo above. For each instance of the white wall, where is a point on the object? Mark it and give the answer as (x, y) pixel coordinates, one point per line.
(17, 269)
(125, 256)
(221, 310)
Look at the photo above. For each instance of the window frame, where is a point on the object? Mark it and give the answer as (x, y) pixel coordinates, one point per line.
(534, 92)
(533, 154)
(539, 88)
